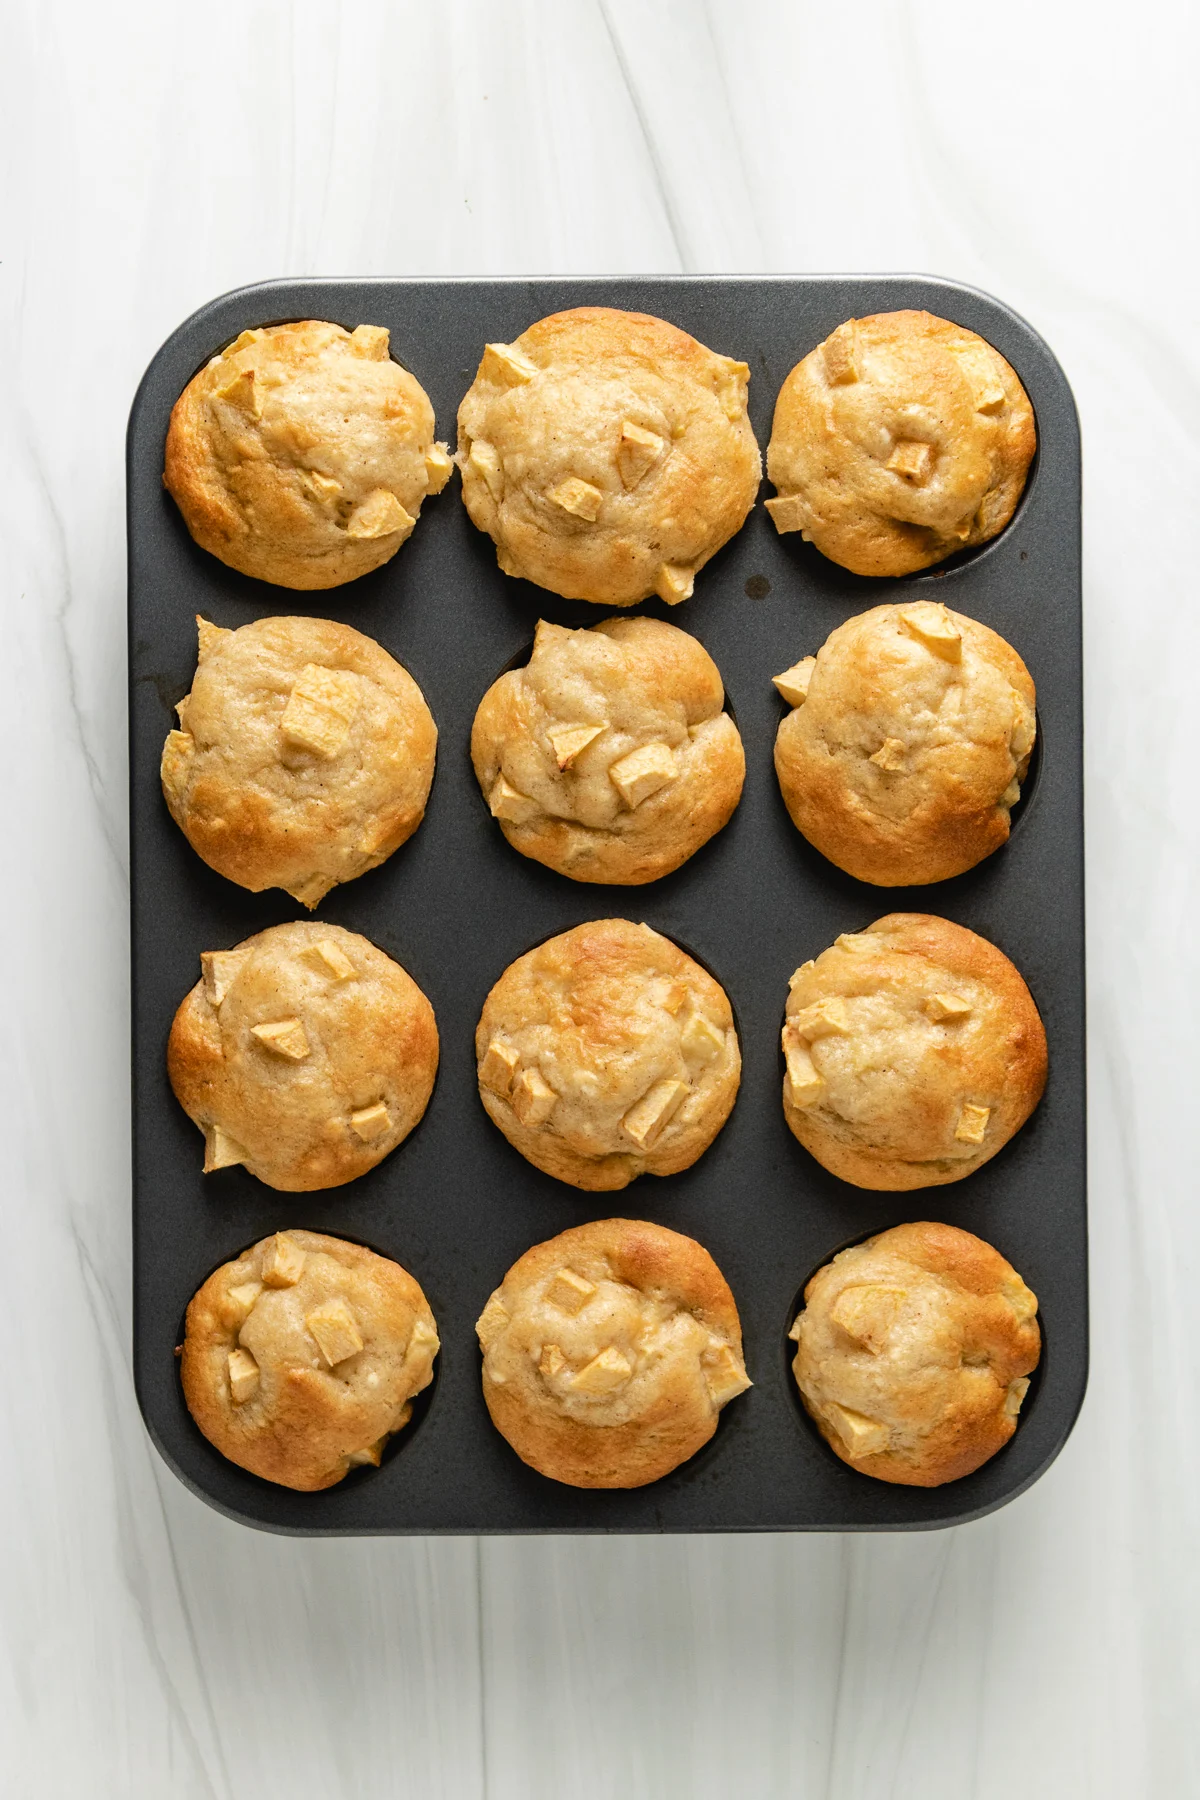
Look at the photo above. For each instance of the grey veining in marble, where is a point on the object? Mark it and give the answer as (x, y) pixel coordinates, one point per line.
(156, 155)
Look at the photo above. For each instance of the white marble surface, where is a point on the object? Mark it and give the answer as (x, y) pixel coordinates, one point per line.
(158, 154)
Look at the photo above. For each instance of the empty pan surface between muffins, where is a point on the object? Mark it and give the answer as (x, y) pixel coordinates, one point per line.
(609, 757)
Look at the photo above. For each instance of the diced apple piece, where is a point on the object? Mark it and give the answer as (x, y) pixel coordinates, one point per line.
(243, 393)
(700, 1040)
(789, 512)
(570, 1292)
(1015, 1395)
(284, 1037)
(972, 1123)
(570, 740)
(209, 636)
(929, 621)
(371, 1122)
(911, 458)
(220, 1151)
(604, 1374)
(219, 968)
(439, 466)
(946, 1008)
(839, 354)
(723, 1372)
(324, 487)
(368, 1457)
(889, 757)
(637, 452)
(379, 515)
(674, 582)
(321, 708)
(485, 460)
(508, 803)
(860, 1435)
(578, 497)
(793, 683)
(866, 1313)
(335, 1331)
(821, 1019)
(243, 1376)
(328, 958)
(506, 365)
(804, 1085)
(643, 772)
(533, 1100)
(499, 1066)
(646, 1122)
(283, 1261)
(492, 1320)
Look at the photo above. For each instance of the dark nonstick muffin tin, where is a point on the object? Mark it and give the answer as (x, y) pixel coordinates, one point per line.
(455, 1204)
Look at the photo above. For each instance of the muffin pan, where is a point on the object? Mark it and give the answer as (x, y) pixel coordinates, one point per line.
(455, 1204)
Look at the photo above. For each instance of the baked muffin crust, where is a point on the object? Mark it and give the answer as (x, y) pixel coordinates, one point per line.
(606, 1053)
(302, 454)
(608, 455)
(913, 1053)
(304, 755)
(609, 757)
(301, 1357)
(914, 1352)
(303, 1053)
(899, 440)
(608, 1353)
(910, 736)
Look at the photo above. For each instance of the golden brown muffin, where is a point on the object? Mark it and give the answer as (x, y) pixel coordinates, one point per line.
(302, 453)
(304, 755)
(910, 737)
(914, 1352)
(607, 1053)
(608, 454)
(304, 1053)
(302, 1356)
(914, 1052)
(610, 757)
(900, 439)
(608, 1353)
